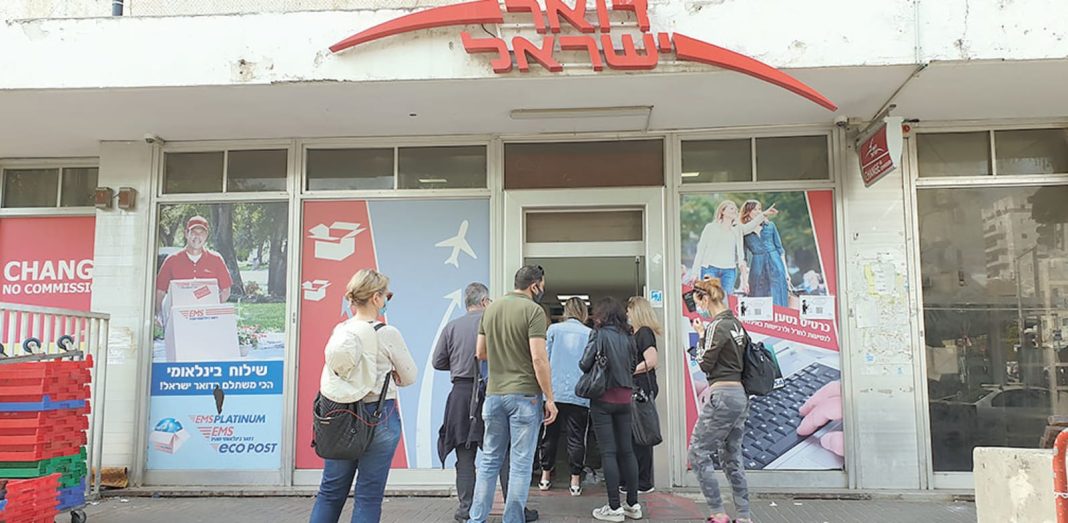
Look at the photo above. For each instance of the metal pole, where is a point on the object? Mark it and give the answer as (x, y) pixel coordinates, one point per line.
(116, 7)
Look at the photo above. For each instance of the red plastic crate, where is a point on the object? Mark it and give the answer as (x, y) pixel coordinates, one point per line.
(34, 419)
(41, 451)
(47, 435)
(43, 369)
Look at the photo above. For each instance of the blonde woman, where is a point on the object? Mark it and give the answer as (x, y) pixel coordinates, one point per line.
(721, 423)
(565, 342)
(358, 357)
(646, 328)
(720, 253)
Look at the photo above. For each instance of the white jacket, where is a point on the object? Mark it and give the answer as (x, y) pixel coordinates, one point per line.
(357, 359)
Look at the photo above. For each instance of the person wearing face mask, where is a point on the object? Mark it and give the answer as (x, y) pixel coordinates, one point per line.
(511, 338)
(721, 423)
(348, 382)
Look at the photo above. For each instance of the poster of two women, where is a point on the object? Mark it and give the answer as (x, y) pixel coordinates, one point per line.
(778, 246)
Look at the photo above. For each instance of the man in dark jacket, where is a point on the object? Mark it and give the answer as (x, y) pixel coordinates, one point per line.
(461, 430)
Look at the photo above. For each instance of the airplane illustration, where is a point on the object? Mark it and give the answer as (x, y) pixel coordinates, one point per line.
(458, 244)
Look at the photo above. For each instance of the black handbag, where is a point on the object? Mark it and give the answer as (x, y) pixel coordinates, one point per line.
(593, 383)
(645, 418)
(340, 430)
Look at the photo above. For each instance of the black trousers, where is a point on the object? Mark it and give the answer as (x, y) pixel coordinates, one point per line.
(572, 421)
(645, 466)
(613, 425)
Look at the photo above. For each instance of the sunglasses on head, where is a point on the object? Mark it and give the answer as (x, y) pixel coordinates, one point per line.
(389, 295)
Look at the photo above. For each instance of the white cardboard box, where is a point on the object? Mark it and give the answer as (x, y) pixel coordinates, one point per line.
(336, 241)
(168, 442)
(202, 334)
(315, 290)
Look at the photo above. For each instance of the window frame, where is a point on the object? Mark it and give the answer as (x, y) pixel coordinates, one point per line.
(59, 164)
(224, 147)
(395, 144)
(913, 183)
(754, 183)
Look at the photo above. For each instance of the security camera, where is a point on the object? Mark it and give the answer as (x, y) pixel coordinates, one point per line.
(153, 139)
(841, 121)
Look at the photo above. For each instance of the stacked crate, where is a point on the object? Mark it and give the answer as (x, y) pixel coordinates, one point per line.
(43, 423)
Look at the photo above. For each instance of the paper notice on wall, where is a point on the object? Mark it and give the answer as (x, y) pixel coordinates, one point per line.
(881, 277)
(866, 313)
(756, 309)
(817, 307)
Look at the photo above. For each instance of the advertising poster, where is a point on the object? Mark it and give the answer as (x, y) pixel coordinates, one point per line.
(219, 337)
(430, 250)
(774, 253)
(47, 261)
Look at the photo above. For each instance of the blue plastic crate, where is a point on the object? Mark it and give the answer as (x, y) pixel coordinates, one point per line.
(45, 404)
(70, 497)
(3, 504)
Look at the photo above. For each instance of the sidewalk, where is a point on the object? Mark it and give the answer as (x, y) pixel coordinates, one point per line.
(554, 507)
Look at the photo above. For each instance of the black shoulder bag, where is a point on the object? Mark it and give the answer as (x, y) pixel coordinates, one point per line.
(645, 417)
(593, 383)
(339, 430)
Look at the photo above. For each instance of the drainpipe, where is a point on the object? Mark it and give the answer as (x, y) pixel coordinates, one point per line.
(116, 7)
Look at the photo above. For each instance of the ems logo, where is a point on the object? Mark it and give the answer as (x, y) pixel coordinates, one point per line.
(600, 48)
(202, 292)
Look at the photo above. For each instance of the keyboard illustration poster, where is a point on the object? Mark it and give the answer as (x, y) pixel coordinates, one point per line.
(777, 248)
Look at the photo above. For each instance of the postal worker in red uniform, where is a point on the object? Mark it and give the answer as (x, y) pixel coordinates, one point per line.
(194, 262)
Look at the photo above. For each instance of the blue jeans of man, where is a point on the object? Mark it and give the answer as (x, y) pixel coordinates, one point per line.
(728, 278)
(511, 419)
(370, 471)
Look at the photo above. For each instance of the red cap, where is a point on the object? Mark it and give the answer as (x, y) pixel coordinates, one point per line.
(197, 221)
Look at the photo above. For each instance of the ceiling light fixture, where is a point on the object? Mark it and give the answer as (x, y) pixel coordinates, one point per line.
(691, 175)
(433, 180)
(582, 112)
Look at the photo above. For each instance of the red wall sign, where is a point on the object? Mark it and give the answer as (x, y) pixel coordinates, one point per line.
(47, 261)
(594, 40)
(880, 153)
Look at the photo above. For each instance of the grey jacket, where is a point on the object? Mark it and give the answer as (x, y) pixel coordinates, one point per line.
(621, 352)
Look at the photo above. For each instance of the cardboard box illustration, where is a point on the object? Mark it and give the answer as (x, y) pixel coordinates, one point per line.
(182, 293)
(202, 334)
(336, 241)
(168, 436)
(315, 290)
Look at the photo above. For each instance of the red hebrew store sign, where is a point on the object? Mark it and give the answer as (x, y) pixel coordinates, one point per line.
(600, 47)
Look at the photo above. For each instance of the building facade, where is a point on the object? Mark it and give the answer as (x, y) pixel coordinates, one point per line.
(618, 144)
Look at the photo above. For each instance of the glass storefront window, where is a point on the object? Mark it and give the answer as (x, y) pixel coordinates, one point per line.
(30, 187)
(792, 158)
(78, 186)
(1032, 151)
(250, 171)
(350, 169)
(953, 154)
(715, 161)
(570, 165)
(193, 172)
(441, 167)
(994, 264)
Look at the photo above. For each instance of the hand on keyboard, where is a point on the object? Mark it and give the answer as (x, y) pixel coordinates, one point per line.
(824, 406)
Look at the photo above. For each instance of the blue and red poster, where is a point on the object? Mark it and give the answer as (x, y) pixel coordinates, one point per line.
(430, 250)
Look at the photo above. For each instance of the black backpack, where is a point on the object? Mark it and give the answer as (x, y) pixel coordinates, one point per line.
(760, 370)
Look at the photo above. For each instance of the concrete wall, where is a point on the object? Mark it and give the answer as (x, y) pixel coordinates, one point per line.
(122, 247)
(1014, 485)
(292, 47)
(878, 339)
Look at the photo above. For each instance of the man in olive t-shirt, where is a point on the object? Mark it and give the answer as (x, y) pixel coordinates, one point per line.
(512, 338)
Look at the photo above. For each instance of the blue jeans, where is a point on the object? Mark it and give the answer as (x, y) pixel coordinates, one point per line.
(513, 419)
(727, 277)
(373, 468)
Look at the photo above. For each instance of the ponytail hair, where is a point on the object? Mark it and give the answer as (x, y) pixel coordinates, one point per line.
(711, 288)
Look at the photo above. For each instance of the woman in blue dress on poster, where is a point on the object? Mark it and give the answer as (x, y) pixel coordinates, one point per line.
(767, 259)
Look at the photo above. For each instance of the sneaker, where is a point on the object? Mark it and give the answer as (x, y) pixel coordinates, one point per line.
(713, 519)
(633, 511)
(649, 490)
(544, 485)
(576, 490)
(606, 513)
(530, 515)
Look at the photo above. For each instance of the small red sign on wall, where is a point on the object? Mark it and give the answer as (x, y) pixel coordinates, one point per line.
(880, 153)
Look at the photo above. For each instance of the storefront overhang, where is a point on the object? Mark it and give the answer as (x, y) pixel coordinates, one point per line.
(71, 122)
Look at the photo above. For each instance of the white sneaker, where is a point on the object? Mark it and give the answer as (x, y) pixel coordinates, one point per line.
(632, 512)
(606, 513)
